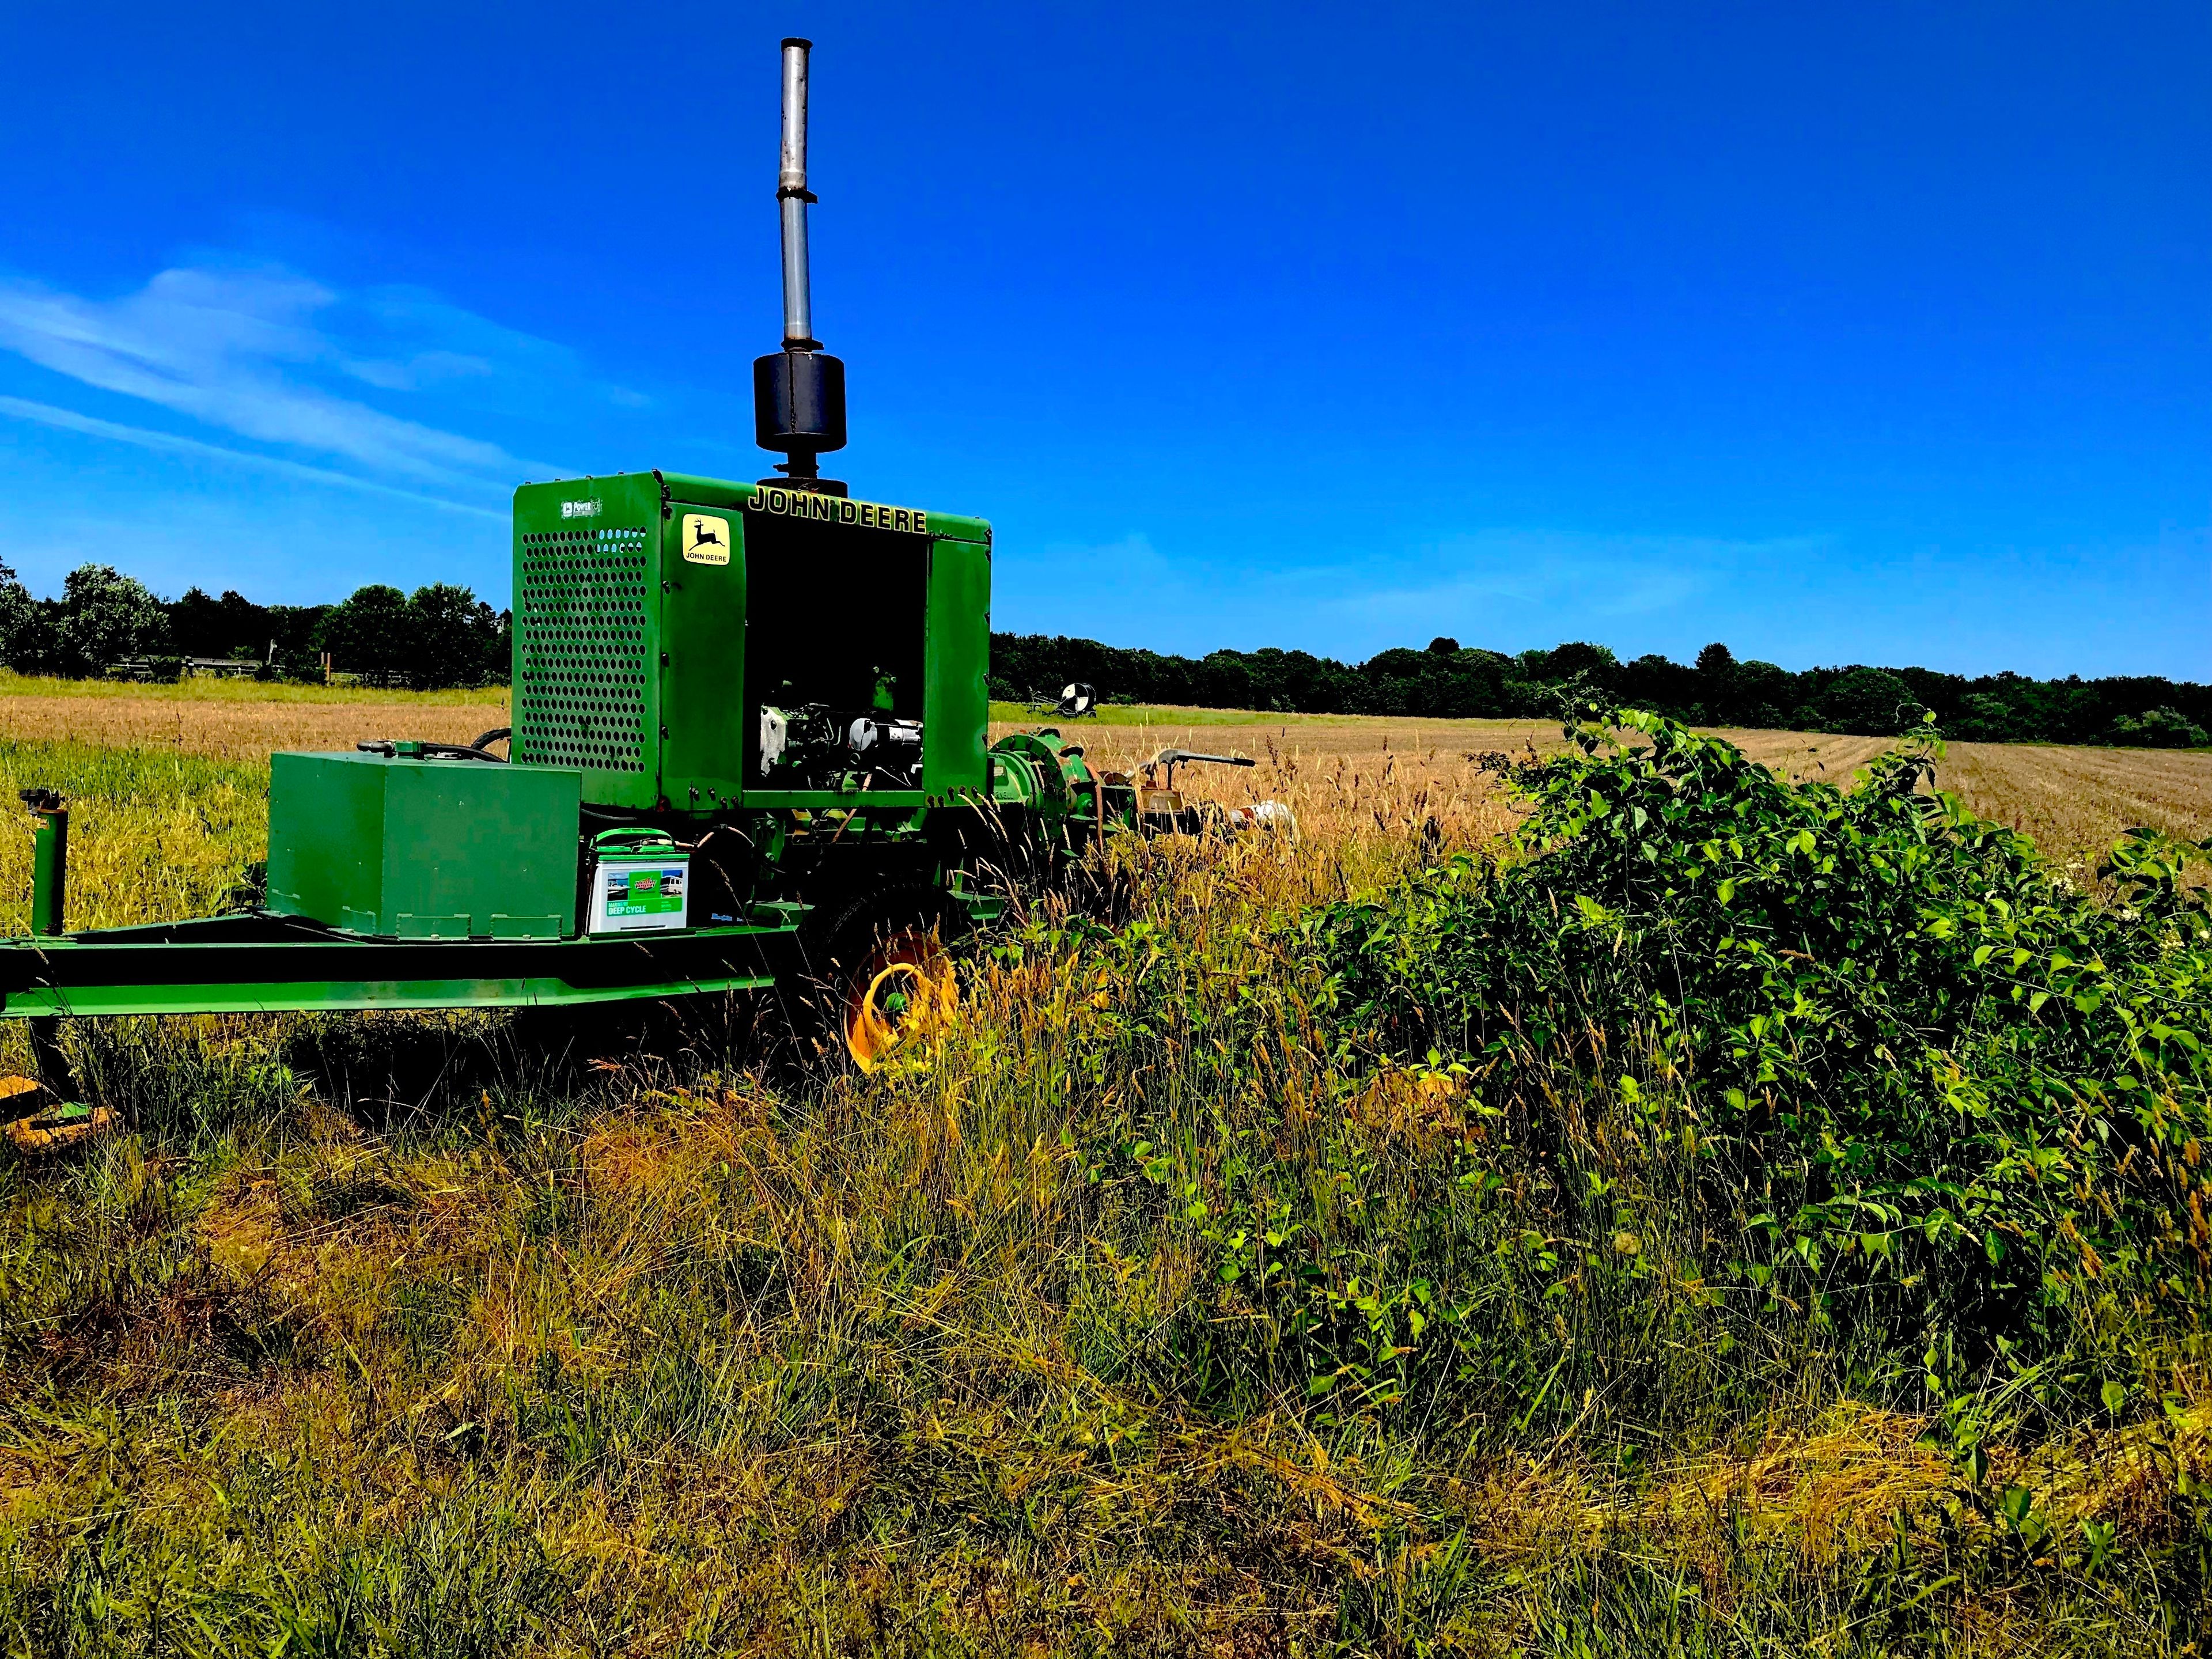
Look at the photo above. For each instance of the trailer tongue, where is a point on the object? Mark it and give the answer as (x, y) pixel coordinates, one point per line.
(260, 963)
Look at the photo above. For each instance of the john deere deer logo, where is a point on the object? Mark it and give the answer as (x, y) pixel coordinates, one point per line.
(706, 539)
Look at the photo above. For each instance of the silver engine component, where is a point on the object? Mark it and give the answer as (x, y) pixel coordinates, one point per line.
(866, 734)
(775, 737)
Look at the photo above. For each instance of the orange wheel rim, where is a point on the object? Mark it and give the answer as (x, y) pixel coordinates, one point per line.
(906, 991)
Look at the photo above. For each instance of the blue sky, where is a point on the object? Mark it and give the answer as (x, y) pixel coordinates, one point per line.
(1843, 334)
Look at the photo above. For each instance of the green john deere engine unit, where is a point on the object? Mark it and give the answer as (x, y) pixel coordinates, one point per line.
(748, 749)
(693, 645)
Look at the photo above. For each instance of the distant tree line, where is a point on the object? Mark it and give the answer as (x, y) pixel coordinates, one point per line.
(1446, 681)
(442, 635)
(439, 635)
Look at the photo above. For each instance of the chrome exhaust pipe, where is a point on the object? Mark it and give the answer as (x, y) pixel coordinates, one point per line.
(799, 392)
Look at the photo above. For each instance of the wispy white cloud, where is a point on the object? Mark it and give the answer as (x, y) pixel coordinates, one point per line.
(1135, 566)
(1505, 587)
(1463, 578)
(171, 443)
(275, 358)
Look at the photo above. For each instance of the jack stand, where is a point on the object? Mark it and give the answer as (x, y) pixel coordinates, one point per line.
(47, 1113)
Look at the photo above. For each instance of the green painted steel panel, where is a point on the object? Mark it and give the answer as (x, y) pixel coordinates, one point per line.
(957, 712)
(722, 492)
(709, 492)
(326, 839)
(703, 644)
(424, 848)
(588, 594)
(351, 996)
(256, 963)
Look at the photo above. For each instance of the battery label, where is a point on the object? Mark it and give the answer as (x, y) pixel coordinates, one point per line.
(632, 893)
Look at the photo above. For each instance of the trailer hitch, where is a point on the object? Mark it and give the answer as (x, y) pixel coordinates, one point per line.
(1169, 759)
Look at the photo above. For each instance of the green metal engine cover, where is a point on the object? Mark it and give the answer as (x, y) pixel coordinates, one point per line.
(648, 605)
(401, 848)
(587, 557)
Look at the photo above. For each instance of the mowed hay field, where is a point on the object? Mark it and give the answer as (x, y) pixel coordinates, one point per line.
(1156, 1306)
(2072, 801)
(237, 720)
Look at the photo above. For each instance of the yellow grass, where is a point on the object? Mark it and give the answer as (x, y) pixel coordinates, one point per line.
(205, 688)
(436, 1275)
(237, 720)
(2074, 802)
(2075, 799)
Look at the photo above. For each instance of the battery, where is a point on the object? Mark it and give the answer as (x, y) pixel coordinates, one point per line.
(641, 882)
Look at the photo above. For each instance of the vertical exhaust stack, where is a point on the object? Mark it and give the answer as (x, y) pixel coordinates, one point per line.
(799, 392)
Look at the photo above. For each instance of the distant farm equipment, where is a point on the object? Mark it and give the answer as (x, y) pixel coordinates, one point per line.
(1076, 702)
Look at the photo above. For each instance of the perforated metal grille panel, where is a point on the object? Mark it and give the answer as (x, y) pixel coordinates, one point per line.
(581, 621)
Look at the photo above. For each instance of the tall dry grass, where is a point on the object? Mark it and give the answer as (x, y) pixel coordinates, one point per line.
(2074, 802)
(155, 834)
(470, 1335)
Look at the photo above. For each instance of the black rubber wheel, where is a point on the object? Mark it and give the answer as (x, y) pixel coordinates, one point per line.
(877, 975)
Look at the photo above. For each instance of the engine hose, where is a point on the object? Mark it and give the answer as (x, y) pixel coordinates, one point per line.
(427, 750)
(461, 751)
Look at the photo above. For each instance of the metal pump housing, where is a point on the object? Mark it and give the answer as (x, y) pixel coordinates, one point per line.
(750, 750)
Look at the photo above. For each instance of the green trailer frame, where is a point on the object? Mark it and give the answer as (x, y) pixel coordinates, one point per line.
(261, 963)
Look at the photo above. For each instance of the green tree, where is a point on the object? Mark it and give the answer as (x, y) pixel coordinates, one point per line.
(1869, 702)
(1763, 691)
(2158, 728)
(106, 617)
(1985, 718)
(26, 641)
(1592, 666)
(452, 636)
(1716, 682)
(368, 634)
(232, 626)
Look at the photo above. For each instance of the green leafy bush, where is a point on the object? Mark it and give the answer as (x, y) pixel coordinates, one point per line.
(2158, 728)
(1952, 1099)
